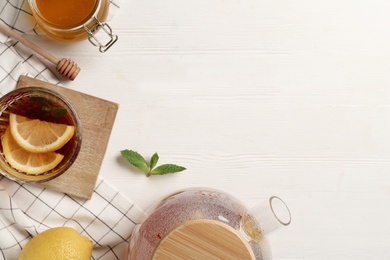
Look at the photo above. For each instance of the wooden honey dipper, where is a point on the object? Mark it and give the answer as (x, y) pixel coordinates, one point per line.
(65, 67)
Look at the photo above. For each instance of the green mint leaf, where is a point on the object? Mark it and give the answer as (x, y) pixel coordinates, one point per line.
(153, 161)
(48, 106)
(41, 101)
(58, 112)
(167, 168)
(136, 159)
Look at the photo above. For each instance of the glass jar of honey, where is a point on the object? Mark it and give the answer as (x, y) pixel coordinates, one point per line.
(75, 20)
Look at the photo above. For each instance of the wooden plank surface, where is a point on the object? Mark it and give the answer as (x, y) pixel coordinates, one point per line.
(97, 117)
(256, 98)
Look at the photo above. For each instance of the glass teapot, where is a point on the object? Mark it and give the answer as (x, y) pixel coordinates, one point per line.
(203, 223)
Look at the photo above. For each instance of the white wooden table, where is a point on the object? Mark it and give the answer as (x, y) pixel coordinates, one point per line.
(256, 98)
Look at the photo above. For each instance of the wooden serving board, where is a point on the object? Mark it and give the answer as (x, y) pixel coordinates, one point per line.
(97, 118)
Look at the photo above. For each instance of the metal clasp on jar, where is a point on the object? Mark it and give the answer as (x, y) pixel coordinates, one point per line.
(112, 38)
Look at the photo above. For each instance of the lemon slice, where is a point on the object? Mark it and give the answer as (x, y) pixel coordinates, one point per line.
(24, 161)
(38, 136)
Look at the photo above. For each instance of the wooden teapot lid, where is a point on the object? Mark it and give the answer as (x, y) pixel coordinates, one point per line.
(203, 239)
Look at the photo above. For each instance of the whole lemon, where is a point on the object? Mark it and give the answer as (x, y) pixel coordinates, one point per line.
(60, 243)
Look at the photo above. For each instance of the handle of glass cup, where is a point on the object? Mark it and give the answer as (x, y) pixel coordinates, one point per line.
(92, 30)
(266, 217)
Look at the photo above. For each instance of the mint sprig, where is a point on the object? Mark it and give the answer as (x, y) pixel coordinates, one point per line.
(150, 168)
(47, 106)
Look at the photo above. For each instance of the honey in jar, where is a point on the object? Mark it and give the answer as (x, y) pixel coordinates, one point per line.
(66, 13)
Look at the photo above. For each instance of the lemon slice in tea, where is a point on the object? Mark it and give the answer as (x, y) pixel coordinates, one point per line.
(38, 136)
(25, 161)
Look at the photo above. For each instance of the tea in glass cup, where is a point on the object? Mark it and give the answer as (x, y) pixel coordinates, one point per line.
(75, 20)
(41, 134)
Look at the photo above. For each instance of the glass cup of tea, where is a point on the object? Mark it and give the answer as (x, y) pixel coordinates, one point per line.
(40, 132)
(75, 20)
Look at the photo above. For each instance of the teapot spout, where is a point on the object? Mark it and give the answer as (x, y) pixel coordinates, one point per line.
(266, 217)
